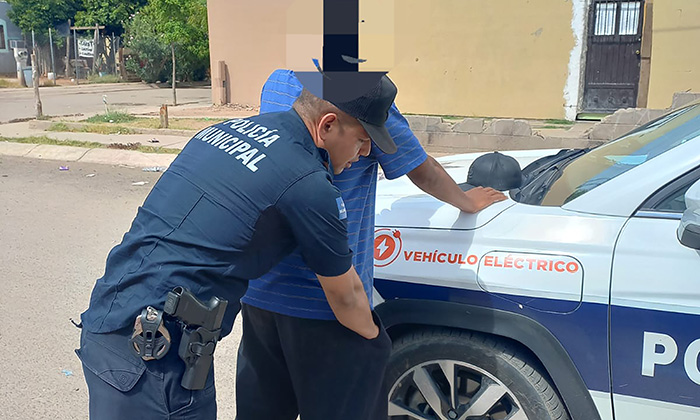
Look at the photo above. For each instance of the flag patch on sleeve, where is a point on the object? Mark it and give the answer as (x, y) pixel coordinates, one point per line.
(342, 213)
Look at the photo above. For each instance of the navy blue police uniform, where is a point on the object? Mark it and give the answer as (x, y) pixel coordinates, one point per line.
(240, 196)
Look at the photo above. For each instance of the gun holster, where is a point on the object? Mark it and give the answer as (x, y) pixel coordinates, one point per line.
(197, 351)
(201, 330)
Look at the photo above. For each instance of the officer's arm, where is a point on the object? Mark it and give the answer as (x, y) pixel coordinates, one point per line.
(349, 303)
(431, 177)
(313, 208)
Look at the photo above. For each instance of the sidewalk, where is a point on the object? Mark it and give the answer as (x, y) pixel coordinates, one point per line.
(439, 136)
(83, 154)
(167, 139)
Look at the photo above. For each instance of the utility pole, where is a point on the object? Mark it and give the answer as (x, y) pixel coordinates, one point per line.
(35, 84)
(68, 69)
(172, 50)
(95, 41)
(53, 63)
(114, 54)
(75, 43)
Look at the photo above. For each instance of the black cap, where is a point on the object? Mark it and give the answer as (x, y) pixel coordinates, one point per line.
(495, 170)
(366, 96)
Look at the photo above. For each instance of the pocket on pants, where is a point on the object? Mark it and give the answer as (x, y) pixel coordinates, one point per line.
(382, 341)
(102, 355)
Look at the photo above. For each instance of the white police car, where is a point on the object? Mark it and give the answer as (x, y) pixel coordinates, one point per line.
(578, 298)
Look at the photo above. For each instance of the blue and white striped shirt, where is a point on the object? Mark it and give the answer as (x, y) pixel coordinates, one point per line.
(291, 288)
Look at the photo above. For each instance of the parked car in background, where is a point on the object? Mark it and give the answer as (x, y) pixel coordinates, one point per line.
(577, 298)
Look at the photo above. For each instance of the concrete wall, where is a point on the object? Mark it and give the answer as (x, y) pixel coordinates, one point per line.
(7, 59)
(675, 62)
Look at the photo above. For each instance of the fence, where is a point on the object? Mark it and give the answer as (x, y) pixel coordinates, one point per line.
(98, 55)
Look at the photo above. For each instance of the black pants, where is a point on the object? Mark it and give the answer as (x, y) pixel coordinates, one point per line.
(122, 386)
(318, 369)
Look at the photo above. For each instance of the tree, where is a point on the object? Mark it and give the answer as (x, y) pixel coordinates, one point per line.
(111, 13)
(182, 24)
(149, 53)
(40, 15)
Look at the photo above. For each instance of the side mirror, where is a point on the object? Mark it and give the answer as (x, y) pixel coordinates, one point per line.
(689, 230)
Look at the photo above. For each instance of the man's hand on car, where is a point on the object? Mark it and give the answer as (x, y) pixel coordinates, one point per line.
(431, 177)
(480, 198)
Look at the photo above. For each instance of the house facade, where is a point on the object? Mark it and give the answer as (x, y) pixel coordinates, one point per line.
(8, 31)
(508, 58)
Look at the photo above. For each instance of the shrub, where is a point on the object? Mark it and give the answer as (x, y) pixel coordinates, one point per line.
(149, 55)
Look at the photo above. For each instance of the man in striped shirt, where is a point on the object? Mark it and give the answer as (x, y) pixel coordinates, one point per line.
(295, 357)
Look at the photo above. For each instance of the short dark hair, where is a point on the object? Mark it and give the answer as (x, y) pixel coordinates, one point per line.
(308, 105)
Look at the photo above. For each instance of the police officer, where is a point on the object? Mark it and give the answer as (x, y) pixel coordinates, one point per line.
(242, 195)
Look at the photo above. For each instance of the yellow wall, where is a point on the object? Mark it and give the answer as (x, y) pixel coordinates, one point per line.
(459, 57)
(675, 50)
(482, 57)
(497, 58)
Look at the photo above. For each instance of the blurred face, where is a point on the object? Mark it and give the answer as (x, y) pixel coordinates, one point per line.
(345, 141)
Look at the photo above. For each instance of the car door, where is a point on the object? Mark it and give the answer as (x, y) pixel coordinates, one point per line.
(655, 313)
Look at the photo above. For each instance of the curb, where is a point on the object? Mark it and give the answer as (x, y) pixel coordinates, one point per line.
(81, 154)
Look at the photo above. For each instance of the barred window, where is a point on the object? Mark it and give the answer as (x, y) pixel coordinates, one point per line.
(3, 44)
(606, 17)
(629, 17)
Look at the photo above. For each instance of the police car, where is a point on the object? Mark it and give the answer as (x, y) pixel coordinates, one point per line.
(576, 298)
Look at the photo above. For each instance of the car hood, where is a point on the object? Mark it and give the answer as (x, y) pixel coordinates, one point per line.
(401, 204)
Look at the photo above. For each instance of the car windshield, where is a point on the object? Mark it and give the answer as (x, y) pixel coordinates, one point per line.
(617, 157)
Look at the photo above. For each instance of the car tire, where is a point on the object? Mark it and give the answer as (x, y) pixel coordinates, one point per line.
(491, 379)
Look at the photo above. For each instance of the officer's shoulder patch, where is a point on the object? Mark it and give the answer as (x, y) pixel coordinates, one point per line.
(342, 213)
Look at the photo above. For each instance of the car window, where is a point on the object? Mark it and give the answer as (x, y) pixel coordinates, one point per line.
(671, 198)
(617, 157)
(674, 203)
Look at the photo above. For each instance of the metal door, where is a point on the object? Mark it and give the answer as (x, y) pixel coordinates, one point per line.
(613, 59)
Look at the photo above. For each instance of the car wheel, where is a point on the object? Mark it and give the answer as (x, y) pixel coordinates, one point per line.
(458, 375)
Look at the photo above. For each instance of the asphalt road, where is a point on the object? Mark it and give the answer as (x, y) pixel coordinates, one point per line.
(87, 99)
(56, 229)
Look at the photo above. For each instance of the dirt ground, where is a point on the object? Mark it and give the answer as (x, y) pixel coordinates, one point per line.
(57, 228)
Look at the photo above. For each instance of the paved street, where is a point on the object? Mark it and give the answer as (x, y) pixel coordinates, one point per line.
(56, 228)
(87, 99)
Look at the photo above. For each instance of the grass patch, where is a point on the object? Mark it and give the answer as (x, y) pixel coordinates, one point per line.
(108, 78)
(92, 128)
(177, 123)
(111, 117)
(591, 116)
(89, 144)
(451, 118)
(127, 120)
(7, 83)
(58, 127)
(155, 149)
(53, 142)
(558, 122)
